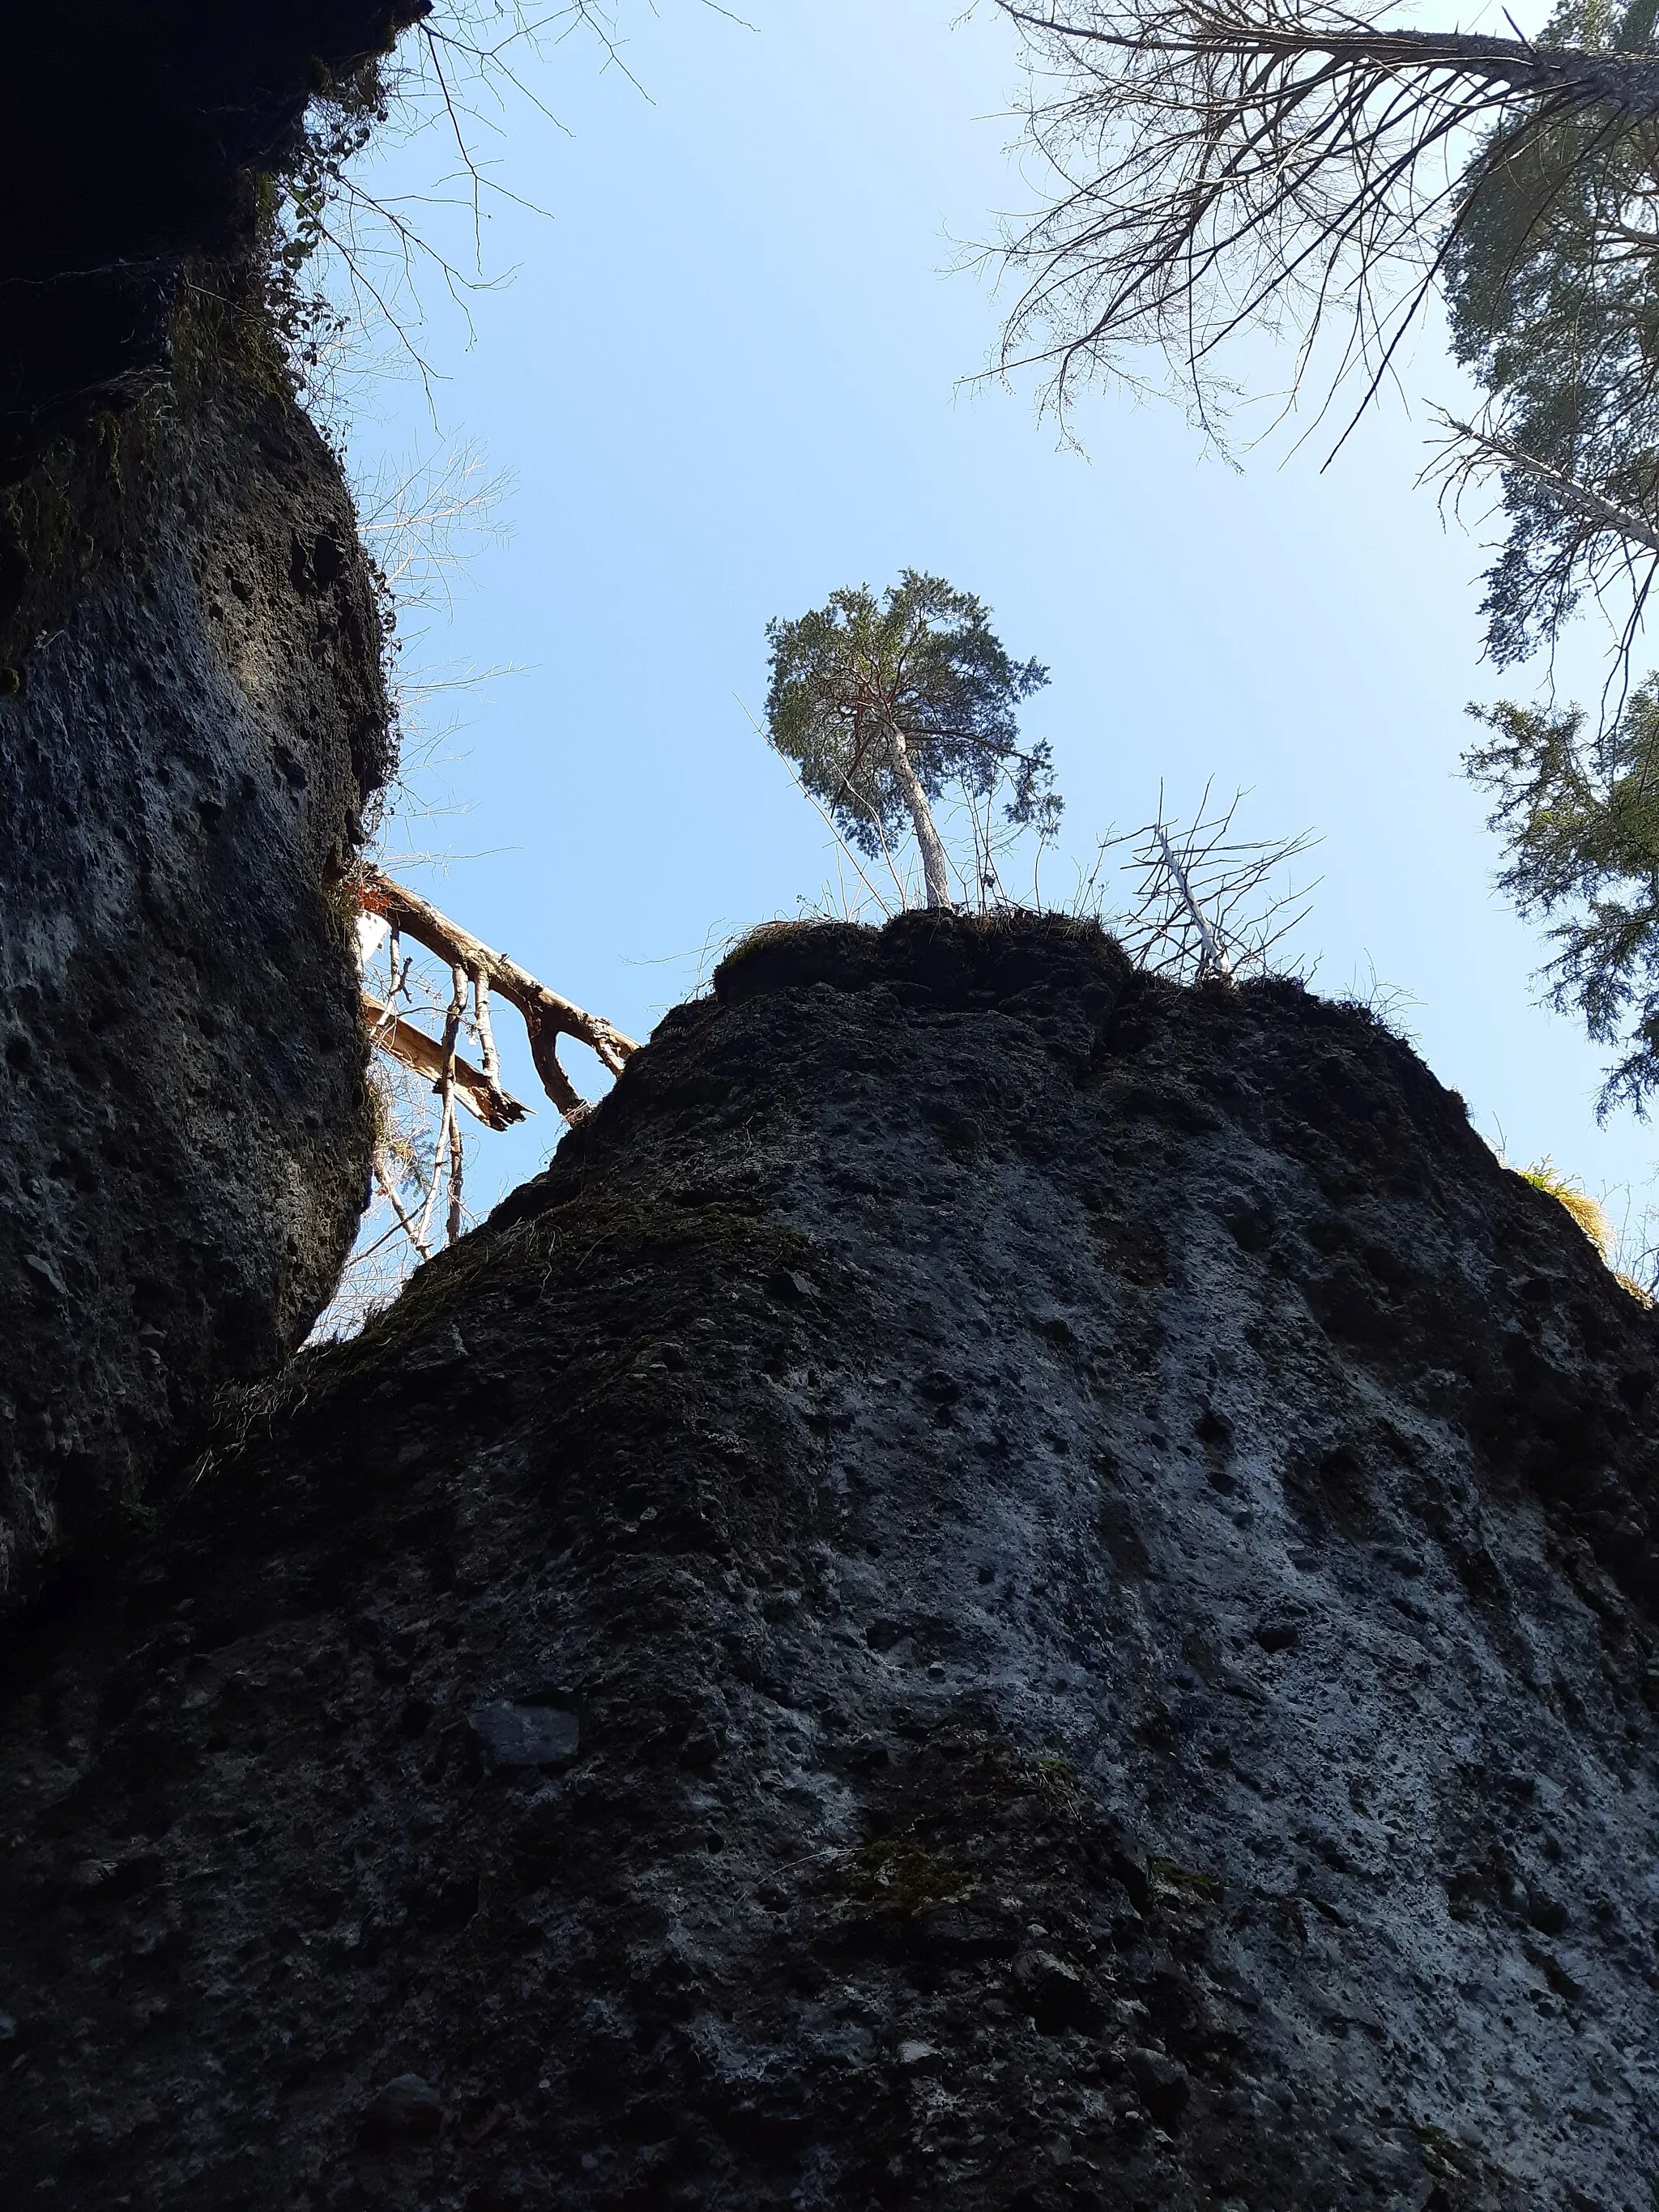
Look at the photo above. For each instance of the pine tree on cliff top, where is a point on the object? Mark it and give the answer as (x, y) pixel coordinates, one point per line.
(885, 704)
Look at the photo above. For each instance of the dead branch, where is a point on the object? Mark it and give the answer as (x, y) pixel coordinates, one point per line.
(388, 1179)
(547, 1016)
(486, 1035)
(449, 1126)
(479, 1090)
(1485, 449)
(1246, 35)
(1212, 955)
(1206, 907)
(1219, 163)
(455, 1220)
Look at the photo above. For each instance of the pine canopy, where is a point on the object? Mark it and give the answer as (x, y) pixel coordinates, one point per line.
(1580, 816)
(923, 663)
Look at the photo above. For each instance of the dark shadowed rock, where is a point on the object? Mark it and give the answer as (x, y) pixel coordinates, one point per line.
(191, 721)
(183, 1118)
(134, 142)
(407, 2111)
(525, 1736)
(1164, 2087)
(1067, 1892)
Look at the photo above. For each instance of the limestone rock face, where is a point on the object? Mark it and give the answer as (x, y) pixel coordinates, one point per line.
(196, 715)
(191, 718)
(1008, 1587)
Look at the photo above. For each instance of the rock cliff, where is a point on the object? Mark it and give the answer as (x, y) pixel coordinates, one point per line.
(138, 147)
(1009, 1586)
(192, 719)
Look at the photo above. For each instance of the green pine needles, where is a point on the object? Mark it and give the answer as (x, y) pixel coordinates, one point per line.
(1552, 270)
(1581, 818)
(885, 705)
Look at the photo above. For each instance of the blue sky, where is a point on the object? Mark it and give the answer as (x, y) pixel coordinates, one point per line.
(726, 376)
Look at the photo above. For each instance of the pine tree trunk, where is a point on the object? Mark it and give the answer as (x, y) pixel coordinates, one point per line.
(935, 868)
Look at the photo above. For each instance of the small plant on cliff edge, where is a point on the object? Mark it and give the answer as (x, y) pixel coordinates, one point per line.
(1591, 1216)
(884, 705)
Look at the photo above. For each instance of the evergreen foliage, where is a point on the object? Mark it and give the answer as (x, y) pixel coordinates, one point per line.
(1323, 169)
(1580, 815)
(885, 704)
(1308, 164)
(1552, 284)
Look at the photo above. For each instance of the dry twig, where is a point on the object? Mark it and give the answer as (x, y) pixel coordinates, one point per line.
(479, 1089)
(1221, 163)
(1204, 905)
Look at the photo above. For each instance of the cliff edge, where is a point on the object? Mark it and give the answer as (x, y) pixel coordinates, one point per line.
(1009, 1586)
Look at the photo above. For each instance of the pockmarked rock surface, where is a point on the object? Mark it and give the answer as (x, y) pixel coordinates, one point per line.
(195, 719)
(1082, 1558)
(192, 720)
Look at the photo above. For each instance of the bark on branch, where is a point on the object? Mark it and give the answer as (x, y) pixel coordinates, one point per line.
(1619, 84)
(479, 1092)
(547, 1016)
(1219, 163)
(1580, 499)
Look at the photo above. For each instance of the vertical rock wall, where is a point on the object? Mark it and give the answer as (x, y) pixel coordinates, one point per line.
(192, 720)
(190, 717)
(1009, 1589)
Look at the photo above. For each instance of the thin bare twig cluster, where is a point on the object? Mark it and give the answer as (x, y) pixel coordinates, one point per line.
(458, 72)
(1206, 906)
(1219, 163)
(420, 519)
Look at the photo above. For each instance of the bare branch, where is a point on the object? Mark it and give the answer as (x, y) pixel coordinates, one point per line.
(1217, 163)
(1204, 906)
(388, 1184)
(1213, 956)
(479, 1089)
(547, 1016)
(1485, 448)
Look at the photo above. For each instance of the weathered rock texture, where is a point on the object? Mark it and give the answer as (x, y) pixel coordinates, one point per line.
(1009, 1587)
(191, 716)
(183, 1118)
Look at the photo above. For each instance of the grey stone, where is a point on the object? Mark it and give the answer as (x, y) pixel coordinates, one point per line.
(526, 1736)
(1164, 2084)
(439, 1355)
(1058, 1997)
(406, 2113)
(185, 769)
(1307, 1908)
(1279, 1631)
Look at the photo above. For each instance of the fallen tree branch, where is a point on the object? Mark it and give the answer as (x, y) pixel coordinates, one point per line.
(478, 1092)
(547, 1016)
(388, 1182)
